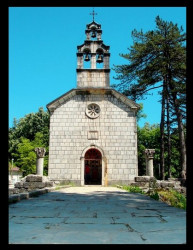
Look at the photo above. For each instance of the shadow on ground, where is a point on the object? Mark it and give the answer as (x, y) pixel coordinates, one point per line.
(95, 215)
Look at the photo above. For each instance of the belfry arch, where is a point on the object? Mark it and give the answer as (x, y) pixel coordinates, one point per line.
(95, 158)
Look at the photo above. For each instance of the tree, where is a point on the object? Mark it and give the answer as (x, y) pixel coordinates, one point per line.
(149, 137)
(27, 127)
(26, 156)
(40, 142)
(158, 61)
(140, 113)
(28, 133)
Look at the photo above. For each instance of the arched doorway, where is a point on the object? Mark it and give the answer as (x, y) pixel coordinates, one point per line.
(93, 167)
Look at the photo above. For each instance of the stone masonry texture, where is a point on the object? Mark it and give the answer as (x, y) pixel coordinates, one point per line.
(117, 137)
(93, 79)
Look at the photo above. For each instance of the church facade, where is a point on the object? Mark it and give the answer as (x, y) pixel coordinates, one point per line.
(93, 126)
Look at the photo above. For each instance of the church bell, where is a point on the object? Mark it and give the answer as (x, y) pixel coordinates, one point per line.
(99, 59)
(87, 58)
(93, 34)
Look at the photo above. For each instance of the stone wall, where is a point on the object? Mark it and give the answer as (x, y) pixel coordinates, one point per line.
(147, 182)
(94, 78)
(116, 137)
(31, 182)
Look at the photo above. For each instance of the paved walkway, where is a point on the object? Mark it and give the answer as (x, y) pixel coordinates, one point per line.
(95, 215)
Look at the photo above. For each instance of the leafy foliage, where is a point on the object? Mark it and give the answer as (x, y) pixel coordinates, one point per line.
(140, 113)
(173, 198)
(26, 156)
(157, 60)
(155, 196)
(148, 137)
(149, 57)
(32, 123)
(28, 133)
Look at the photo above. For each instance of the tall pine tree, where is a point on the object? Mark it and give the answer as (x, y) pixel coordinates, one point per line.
(157, 60)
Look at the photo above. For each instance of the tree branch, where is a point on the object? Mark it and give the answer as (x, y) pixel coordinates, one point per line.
(151, 89)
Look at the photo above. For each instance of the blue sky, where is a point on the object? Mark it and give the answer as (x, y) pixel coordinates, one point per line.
(43, 44)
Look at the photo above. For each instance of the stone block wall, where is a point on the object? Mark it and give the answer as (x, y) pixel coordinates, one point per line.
(147, 182)
(93, 78)
(69, 137)
(31, 182)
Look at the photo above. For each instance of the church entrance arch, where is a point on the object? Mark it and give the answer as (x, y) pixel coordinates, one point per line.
(93, 167)
(94, 155)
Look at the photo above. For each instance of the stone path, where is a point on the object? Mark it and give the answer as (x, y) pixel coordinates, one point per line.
(95, 215)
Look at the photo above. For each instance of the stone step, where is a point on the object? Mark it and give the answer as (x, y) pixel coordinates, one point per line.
(174, 179)
(140, 184)
(164, 184)
(144, 178)
(34, 178)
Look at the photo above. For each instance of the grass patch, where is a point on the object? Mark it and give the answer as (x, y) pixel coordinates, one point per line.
(60, 186)
(171, 197)
(133, 189)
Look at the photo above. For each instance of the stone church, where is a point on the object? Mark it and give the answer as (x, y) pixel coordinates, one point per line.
(93, 125)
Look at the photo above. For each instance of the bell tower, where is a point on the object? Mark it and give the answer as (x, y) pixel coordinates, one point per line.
(93, 59)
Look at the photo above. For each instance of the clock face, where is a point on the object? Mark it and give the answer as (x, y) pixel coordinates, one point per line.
(93, 110)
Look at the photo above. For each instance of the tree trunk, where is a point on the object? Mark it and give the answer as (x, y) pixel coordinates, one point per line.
(180, 127)
(162, 162)
(181, 136)
(169, 137)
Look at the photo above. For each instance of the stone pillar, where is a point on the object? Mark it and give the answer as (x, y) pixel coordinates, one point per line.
(93, 61)
(149, 161)
(79, 60)
(98, 36)
(106, 61)
(40, 152)
(87, 35)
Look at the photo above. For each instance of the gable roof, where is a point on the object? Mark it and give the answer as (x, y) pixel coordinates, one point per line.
(68, 95)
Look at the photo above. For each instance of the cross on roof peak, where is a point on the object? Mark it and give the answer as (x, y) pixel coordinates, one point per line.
(93, 13)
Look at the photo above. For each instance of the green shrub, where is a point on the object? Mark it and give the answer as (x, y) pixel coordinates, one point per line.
(173, 198)
(133, 189)
(155, 196)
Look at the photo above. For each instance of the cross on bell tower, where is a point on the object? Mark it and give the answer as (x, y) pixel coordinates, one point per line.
(93, 14)
(94, 50)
